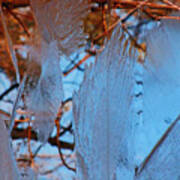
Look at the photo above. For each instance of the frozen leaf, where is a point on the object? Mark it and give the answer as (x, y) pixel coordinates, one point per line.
(164, 160)
(103, 115)
(43, 92)
(61, 20)
(8, 168)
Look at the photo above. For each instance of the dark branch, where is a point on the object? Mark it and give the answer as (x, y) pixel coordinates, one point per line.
(20, 133)
(11, 88)
(66, 129)
(15, 3)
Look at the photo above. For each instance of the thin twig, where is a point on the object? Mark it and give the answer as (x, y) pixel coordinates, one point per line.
(66, 129)
(20, 133)
(31, 157)
(59, 147)
(171, 4)
(18, 20)
(78, 64)
(6, 92)
(37, 150)
(72, 62)
(133, 39)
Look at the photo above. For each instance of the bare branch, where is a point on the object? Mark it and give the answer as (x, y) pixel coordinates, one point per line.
(20, 133)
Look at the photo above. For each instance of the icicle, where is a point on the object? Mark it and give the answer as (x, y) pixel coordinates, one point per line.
(61, 20)
(103, 116)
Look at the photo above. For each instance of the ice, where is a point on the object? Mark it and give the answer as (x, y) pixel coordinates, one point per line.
(123, 110)
(8, 168)
(57, 21)
(161, 84)
(28, 174)
(164, 161)
(61, 20)
(103, 115)
(161, 102)
(44, 98)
